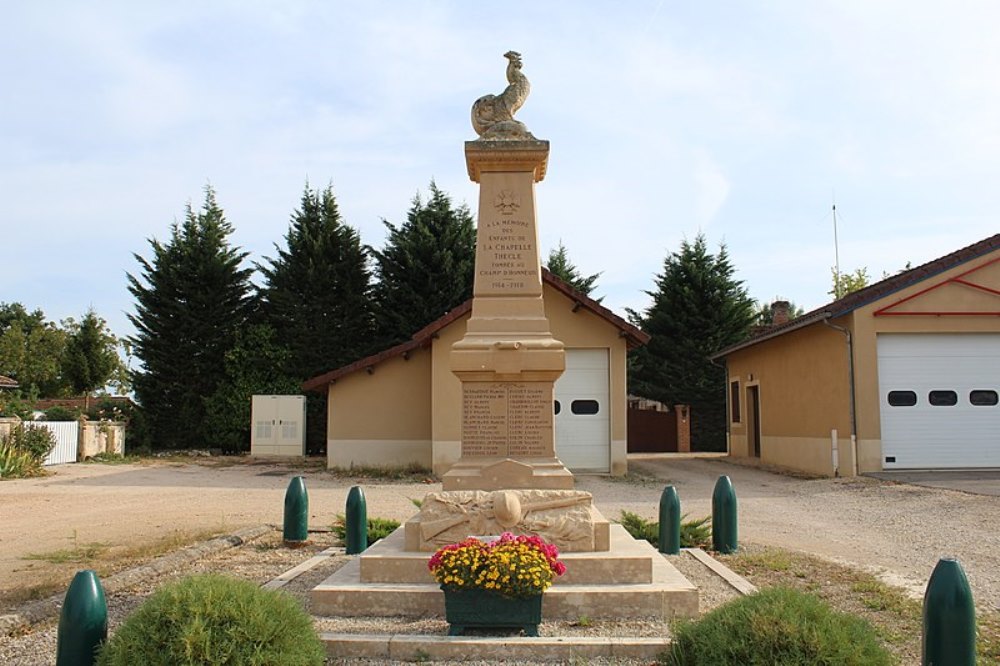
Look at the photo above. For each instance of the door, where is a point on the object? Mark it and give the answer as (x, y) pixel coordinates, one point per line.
(583, 412)
(938, 400)
(753, 420)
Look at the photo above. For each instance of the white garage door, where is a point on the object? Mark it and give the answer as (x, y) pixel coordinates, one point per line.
(583, 412)
(938, 400)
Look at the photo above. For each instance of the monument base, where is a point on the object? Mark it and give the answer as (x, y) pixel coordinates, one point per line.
(630, 580)
(566, 518)
(493, 473)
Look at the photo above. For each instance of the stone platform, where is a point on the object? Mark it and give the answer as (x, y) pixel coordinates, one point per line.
(631, 579)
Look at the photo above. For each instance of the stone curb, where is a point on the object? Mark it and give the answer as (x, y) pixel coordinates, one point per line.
(736, 581)
(470, 648)
(43, 609)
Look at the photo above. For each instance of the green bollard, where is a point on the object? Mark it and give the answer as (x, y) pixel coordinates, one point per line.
(296, 527)
(949, 617)
(357, 521)
(83, 622)
(670, 521)
(724, 531)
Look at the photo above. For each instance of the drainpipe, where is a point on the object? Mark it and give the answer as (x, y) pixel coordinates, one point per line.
(850, 379)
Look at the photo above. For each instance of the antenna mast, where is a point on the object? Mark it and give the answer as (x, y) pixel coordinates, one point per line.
(836, 256)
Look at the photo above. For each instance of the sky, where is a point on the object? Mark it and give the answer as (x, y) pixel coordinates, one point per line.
(743, 121)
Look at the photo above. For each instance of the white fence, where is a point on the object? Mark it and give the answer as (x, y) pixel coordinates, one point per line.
(67, 434)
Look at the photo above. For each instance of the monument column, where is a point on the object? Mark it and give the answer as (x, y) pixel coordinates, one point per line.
(508, 360)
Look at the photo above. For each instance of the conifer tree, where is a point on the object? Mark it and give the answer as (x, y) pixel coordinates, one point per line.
(425, 268)
(91, 359)
(698, 309)
(560, 265)
(316, 297)
(191, 297)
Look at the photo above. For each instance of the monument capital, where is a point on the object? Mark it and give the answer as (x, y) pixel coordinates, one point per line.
(485, 156)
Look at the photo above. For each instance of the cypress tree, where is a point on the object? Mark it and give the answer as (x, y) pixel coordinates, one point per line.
(425, 268)
(191, 297)
(560, 265)
(316, 297)
(698, 308)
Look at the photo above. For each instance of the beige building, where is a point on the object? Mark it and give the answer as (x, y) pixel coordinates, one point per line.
(903, 374)
(402, 406)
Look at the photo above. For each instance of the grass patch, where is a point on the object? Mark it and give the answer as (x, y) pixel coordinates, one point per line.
(105, 458)
(50, 573)
(78, 554)
(412, 473)
(378, 528)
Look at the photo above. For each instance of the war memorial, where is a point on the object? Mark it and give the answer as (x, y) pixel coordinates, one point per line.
(509, 478)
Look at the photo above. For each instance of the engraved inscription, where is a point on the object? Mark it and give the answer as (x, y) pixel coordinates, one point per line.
(529, 420)
(484, 419)
(507, 419)
(507, 257)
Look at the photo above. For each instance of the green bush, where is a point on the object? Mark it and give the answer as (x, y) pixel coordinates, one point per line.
(694, 533)
(776, 627)
(15, 463)
(60, 413)
(23, 450)
(211, 619)
(378, 528)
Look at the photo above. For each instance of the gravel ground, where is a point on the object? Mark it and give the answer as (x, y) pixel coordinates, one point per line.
(897, 531)
(262, 559)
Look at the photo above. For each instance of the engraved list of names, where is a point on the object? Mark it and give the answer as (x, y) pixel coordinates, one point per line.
(507, 419)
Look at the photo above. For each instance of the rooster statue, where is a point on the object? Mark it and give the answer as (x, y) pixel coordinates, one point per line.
(493, 115)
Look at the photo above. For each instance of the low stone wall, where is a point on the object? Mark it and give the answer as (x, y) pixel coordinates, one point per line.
(100, 437)
(7, 424)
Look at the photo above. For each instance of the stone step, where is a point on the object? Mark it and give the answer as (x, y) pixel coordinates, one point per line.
(668, 594)
(628, 561)
(561, 649)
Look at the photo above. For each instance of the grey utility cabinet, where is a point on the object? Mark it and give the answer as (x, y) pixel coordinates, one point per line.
(278, 425)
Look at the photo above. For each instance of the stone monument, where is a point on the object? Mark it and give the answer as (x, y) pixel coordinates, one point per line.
(508, 360)
(508, 477)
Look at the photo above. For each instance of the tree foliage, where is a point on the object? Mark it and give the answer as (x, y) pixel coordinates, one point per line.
(425, 268)
(255, 365)
(764, 313)
(846, 283)
(31, 350)
(191, 298)
(91, 358)
(698, 308)
(560, 265)
(317, 298)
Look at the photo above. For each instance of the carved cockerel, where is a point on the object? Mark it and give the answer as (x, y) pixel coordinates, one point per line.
(496, 112)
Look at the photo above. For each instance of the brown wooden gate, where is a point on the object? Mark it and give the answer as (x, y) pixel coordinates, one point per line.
(651, 431)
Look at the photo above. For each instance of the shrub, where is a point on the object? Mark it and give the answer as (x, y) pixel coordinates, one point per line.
(15, 463)
(60, 413)
(211, 619)
(776, 627)
(23, 450)
(694, 533)
(378, 528)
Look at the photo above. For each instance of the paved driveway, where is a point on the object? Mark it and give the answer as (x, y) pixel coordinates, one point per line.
(899, 529)
(979, 482)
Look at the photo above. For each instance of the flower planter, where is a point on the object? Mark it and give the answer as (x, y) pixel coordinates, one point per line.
(481, 608)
